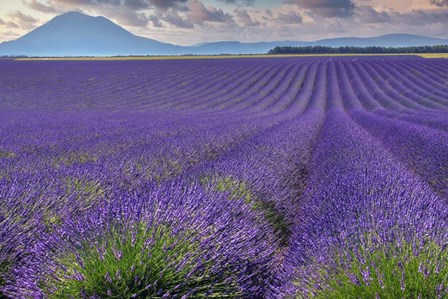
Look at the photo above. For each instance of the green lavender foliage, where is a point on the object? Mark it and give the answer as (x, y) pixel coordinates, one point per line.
(384, 270)
(145, 262)
(240, 189)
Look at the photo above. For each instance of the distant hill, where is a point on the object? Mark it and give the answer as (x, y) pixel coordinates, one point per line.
(388, 40)
(76, 34)
(234, 47)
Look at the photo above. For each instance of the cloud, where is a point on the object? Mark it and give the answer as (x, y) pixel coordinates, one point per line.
(173, 18)
(22, 17)
(86, 2)
(155, 21)
(193, 13)
(24, 21)
(237, 2)
(132, 18)
(8, 35)
(244, 18)
(136, 4)
(290, 17)
(129, 4)
(41, 7)
(165, 4)
(198, 13)
(440, 3)
(327, 8)
(11, 25)
(368, 15)
(422, 18)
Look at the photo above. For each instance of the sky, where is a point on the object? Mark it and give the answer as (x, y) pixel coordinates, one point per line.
(188, 22)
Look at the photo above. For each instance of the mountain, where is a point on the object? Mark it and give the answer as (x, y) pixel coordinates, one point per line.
(76, 34)
(388, 40)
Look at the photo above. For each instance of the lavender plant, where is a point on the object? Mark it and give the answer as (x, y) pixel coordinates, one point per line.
(375, 268)
(170, 242)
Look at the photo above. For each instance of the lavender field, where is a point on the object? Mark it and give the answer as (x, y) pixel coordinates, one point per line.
(301, 177)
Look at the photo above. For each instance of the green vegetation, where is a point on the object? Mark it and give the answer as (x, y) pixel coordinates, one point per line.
(141, 262)
(51, 219)
(157, 169)
(4, 154)
(80, 195)
(75, 157)
(358, 50)
(239, 189)
(89, 190)
(4, 269)
(384, 270)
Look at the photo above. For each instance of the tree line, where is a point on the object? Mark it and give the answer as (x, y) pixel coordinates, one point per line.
(358, 50)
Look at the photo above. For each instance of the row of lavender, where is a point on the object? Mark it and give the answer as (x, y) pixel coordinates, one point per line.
(254, 85)
(243, 178)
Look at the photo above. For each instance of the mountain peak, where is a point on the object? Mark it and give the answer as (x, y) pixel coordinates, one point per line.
(76, 21)
(79, 16)
(74, 14)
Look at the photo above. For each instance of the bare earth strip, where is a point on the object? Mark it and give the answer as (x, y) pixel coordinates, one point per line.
(186, 57)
